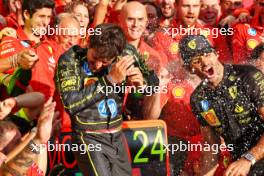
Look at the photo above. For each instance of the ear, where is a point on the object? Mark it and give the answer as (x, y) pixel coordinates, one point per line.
(26, 14)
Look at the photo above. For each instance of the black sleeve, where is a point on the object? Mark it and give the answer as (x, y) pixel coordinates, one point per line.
(70, 84)
(254, 83)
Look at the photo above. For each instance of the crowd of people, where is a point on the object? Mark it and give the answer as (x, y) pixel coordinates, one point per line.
(60, 58)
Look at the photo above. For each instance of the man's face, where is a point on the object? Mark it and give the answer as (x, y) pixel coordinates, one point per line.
(133, 22)
(12, 5)
(210, 10)
(40, 21)
(207, 67)
(81, 13)
(168, 8)
(188, 11)
(69, 36)
(97, 64)
(229, 6)
(152, 17)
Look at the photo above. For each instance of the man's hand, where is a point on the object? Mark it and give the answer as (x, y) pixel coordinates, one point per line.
(8, 32)
(6, 107)
(27, 59)
(240, 167)
(244, 18)
(118, 71)
(229, 20)
(135, 77)
(44, 127)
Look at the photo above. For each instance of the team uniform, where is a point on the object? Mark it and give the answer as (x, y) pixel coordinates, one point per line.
(11, 21)
(44, 70)
(181, 125)
(96, 118)
(231, 109)
(246, 38)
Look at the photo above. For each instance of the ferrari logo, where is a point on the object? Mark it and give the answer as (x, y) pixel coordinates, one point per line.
(232, 78)
(192, 44)
(239, 109)
(233, 91)
(211, 118)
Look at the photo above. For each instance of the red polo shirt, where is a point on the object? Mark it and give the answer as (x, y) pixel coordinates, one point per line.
(11, 21)
(246, 38)
(44, 70)
(155, 60)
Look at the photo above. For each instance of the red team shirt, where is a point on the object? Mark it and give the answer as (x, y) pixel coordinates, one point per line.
(44, 70)
(246, 38)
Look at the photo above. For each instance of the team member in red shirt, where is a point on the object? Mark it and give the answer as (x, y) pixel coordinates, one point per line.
(14, 19)
(248, 36)
(187, 23)
(174, 108)
(168, 13)
(37, 15)
(133, 21)
(210, 13)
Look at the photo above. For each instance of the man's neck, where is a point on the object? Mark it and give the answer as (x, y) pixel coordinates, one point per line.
(30, 35)
(135, 43)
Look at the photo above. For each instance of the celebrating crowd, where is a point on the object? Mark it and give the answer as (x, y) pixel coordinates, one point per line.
(60, 58)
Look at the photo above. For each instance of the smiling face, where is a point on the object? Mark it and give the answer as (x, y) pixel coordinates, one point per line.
(188, 11)
(207, 66)
(81, 13)
(229, 6)
(168, 8)
(70, 36)
(210, 11)
(39, 21)
(133, 20)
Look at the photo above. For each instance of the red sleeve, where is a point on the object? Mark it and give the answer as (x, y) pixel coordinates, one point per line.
(11, 21)
(239, 44)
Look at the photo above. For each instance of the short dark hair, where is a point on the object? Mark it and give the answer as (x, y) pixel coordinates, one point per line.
(110, 43)
(33, 5)
(257, 52)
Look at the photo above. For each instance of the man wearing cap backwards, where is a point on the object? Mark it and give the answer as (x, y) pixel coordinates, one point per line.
(229, 102)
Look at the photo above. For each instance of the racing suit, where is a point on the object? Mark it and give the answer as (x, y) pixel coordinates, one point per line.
(96, 116)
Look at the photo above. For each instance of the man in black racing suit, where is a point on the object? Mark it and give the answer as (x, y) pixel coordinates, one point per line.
(86, 79)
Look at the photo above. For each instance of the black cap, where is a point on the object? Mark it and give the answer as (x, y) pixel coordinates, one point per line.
(194, 45)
